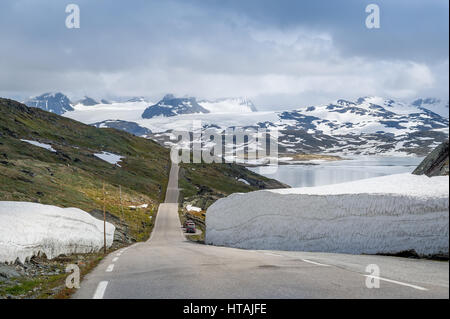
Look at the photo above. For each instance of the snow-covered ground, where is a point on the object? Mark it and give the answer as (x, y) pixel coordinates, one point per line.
(110, 158)
(386, 214)
(191, 208)
(126, 111)
(41, 145)
(29, 229)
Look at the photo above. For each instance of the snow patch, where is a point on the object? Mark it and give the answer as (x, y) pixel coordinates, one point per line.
(243, 181)
(29, 229)
(42, 145)
(386, 214)
(109, 157)
(191, 208)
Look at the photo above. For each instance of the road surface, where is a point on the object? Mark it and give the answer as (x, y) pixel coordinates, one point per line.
(169, 266)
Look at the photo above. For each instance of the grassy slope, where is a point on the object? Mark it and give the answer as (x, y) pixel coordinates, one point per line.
(73, 177)
(202, 184)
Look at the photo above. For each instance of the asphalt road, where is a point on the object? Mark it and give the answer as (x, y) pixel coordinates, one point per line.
(169, 266)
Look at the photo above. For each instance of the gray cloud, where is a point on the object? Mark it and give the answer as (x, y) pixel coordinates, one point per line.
(279, 53)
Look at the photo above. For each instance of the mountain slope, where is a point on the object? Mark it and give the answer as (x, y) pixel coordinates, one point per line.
(435, 105)
(54, 160)
(73, 174)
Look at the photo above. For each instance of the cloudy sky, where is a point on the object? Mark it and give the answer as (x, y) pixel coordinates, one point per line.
(279, 53)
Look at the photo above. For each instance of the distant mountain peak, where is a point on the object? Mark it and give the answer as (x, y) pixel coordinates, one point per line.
(172, 106)
(87, 101)
(55, 102)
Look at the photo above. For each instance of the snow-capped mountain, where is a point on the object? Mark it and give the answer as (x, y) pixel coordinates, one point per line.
(369, 126)
(171, 106)
(229, 105)
(87, 101)
(366, 115)
(52, 102)
(435, 105)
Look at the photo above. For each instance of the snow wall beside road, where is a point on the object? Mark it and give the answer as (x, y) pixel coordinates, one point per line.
(388, 214)
(27, 229)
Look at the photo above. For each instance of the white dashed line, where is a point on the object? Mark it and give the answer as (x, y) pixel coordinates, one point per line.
(315, 263)
(110, 268)
(100, 291)
(397, 282)
(115, 259)
(271, 254)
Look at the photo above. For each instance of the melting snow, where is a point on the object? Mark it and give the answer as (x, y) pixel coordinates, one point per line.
(386, 214)
(109, 157)
(29, 229)
(191, 208)
(243, 181)
(46, 146)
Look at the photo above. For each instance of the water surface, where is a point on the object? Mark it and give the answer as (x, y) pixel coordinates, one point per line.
(341, 171)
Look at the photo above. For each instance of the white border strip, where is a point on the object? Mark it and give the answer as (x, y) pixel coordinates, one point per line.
(397, 282)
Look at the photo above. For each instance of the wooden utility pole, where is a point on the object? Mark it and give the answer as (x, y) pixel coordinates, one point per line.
(121, 206)
(104, 219)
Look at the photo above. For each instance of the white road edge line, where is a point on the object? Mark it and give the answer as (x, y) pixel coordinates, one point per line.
(315, 263)
(110, 268)
(115, 259)
(397, 282)
(100, 291)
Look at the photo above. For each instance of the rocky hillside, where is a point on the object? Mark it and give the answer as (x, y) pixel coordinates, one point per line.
(436, 163)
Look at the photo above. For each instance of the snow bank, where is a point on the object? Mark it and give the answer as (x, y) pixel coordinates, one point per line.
(386, 214)
(27, 229)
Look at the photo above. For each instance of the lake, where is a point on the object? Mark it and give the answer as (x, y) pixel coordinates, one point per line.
(340, 171)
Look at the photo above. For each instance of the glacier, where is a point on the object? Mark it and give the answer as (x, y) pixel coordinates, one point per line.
(382, 215)
(31, 229)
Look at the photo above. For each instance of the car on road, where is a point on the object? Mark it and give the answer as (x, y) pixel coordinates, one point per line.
(190, 227)
(187, 221)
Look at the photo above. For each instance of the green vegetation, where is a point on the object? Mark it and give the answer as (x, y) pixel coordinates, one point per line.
(73, 176)
(205, 183)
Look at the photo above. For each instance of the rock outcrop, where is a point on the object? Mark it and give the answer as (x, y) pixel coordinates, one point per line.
(436, 163)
